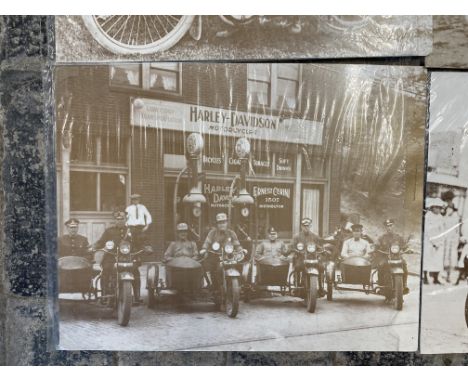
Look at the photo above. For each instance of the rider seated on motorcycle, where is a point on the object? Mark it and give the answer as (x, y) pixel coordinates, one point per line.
(306, 236)
(221, 234)
(182, 246)
(384, 243)
(117, 233)
(73, 244)
(356, 245)
(271, 248)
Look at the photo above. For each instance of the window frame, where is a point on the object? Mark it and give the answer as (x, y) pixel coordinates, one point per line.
(145, 72)
(273, 88)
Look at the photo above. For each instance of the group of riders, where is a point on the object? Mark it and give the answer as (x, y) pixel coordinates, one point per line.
(131, 225)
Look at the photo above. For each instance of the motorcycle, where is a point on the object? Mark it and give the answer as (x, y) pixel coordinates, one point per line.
(228, 277)
(116, 277)
(145, 34)
(358, 270)
(306, 265)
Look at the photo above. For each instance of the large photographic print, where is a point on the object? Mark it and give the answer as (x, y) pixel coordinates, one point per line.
(444, 309)
(247, 206)
(102, 38)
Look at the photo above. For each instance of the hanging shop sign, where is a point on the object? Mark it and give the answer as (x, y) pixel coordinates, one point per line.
(208, 120)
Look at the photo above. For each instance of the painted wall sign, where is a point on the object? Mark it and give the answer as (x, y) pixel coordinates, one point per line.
(208, 120)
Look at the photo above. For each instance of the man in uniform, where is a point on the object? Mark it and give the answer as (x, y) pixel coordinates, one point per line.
(356, 245)
(73, 244)
(306, 236)
(182, 246)
(271, 248)
(117, 233)
(384, 244)
(221, 234)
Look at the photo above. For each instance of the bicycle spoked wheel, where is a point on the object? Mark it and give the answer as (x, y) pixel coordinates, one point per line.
(137, 34)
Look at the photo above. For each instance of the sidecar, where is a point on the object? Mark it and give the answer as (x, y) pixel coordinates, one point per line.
(272, 272)
(184, 274)
(356, 270)
(76, 275)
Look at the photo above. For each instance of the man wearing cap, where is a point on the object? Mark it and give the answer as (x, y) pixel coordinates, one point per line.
(271, 248)
(384, 244)
(356, 245)
(182, 246)
(306, 236)
(138, 220)
(117, 233)
(434, 237)
(221, 234)
(73, 244)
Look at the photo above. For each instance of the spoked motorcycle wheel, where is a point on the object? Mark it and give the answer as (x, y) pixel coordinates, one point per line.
(232, 296)
(311, 293)
(124, 303)
(398, 297)
(133, 34)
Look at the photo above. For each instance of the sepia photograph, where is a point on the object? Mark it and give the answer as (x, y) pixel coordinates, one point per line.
(444, 310)
(101, 38)
(239, 206)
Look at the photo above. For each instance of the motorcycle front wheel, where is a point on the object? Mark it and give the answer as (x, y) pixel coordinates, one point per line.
(137, 34)
(398, 290)
(124, 303)
(311, 293)
(232, 296)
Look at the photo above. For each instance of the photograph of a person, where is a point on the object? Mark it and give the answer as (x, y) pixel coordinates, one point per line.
(101, 38)
(444, 305)
(246, 206)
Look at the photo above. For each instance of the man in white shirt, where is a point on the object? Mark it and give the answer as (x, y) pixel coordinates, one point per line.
(356, 245)
(138, 220)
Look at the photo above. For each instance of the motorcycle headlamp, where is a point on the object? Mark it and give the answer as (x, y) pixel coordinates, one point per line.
(215, 246)
(394, 249)
(311, 248)
(125, 248)
(229, 249)
(239, 256)
(110, 245)
(300, 246)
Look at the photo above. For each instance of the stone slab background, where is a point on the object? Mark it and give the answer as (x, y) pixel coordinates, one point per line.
(27, 227)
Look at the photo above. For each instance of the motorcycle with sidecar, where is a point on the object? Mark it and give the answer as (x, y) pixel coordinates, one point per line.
(302, 282)
(357, 273)
(184, 275)
(108, 280)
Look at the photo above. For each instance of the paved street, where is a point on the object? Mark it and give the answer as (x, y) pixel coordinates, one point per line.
(353, 321)
(443, 327)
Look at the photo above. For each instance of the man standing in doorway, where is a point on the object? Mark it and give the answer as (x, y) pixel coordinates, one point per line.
(138, 220)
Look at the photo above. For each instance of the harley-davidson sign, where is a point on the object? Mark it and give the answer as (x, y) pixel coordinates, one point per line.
(209, 120)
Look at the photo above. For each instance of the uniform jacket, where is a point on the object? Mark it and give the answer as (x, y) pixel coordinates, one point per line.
(180, 248)
(221, 237)
(306, 238)
(270, 249)
(73, 246)
(387, 239)
(352, 247)
(115, 234)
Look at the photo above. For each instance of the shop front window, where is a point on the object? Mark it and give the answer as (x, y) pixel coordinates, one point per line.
(83, 191)
(160, 77)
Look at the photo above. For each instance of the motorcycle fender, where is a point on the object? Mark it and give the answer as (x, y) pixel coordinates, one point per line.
(312, 271)
(125, 276)
(396, 271)
(231, 272)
